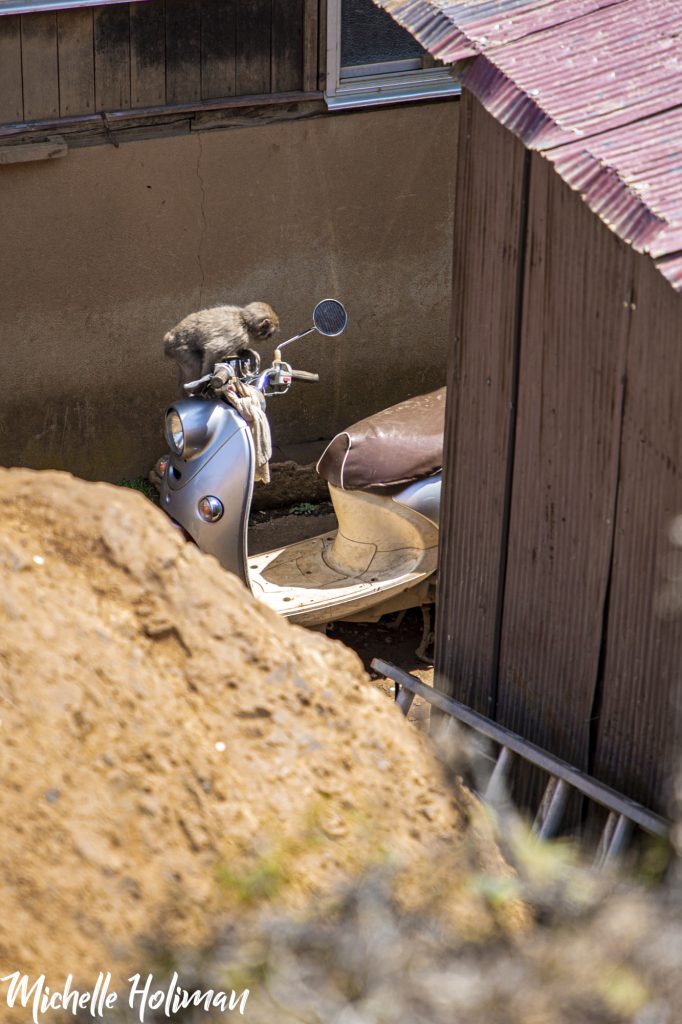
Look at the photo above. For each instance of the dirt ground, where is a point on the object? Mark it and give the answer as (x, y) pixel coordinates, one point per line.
(394, 638)
(174, 753)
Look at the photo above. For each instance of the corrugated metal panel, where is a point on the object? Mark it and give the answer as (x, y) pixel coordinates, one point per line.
(633, 180)
(598, 72)
(595, 85)
(452, 31)
(672, 271)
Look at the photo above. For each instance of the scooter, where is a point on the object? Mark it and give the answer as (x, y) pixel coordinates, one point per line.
(384, 480)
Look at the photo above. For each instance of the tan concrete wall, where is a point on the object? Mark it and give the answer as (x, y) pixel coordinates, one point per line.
(104, 250)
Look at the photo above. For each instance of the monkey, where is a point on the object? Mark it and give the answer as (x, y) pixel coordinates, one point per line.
(212, 335)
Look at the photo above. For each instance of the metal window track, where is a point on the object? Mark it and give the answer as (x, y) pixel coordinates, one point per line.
(623, 813)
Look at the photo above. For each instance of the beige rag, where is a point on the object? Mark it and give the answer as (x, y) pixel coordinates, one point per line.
(247, 401)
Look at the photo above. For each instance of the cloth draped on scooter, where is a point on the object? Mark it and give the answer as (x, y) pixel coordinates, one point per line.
(249, 404)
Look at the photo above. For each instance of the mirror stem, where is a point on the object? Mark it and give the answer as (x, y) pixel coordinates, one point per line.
(296, 337)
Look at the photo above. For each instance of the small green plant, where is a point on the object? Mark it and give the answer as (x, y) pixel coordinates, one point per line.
(139, 483)
(262, 882)
(305, 508)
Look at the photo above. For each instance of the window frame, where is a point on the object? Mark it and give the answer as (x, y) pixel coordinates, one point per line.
(372, 89)
(33, 6)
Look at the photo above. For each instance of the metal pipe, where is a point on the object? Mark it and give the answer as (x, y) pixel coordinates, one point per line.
(404, 699)
(496, 788)
(552, 808)
(585, 784)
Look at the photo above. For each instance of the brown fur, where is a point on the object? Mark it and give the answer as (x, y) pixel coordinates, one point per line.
(210, 336)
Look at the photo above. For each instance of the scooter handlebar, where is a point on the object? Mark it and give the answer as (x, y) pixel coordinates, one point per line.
(304, 375)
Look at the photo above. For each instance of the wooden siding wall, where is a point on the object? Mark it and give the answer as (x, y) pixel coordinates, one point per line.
(480, 384)
(639, 735)
(130, 56)
(563, 468)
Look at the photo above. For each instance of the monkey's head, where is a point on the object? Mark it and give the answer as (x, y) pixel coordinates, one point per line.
(261, 320)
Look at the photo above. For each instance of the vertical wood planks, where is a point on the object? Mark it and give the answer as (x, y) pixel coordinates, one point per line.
(75, 37)
(80, 61)
(572, 361)
(322, 45)
(40, 65)
(147, 53)
(487, 229)
(254, 23)
(310, 44)
(286, 47)
(218, 48)
(11, 89)
(183, 51)
(638, 742)
(112, 57)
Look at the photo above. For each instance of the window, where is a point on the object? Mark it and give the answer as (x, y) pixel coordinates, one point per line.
(371, 59)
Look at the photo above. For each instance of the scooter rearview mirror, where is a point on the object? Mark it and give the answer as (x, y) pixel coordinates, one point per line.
(330, 317)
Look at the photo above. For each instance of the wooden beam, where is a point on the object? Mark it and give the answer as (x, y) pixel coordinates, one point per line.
(24, 153)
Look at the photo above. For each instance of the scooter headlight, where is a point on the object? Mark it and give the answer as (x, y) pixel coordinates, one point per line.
(175, 434)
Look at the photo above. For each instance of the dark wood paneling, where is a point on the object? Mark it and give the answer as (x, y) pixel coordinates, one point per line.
(75, 36)
(310, 44)
(218, 48)
(148, 53)
(639, 729)
(81, 61)
(11, 91)
(40, 65)
(487, 229)
(254, 22)
(112, 57)
(183, 50)
(286, 61)
(572, 361)
(322, 45)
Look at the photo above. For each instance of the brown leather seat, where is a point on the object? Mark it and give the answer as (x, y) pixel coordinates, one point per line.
(390, 449)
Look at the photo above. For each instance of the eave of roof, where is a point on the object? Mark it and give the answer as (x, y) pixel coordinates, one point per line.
(594, 85)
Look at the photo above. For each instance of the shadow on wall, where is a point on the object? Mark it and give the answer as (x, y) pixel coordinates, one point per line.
(108, 248)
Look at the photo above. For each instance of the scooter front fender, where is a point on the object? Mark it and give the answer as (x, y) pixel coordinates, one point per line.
(225, 470)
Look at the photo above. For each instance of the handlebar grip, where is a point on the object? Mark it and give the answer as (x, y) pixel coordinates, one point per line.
(304, 375)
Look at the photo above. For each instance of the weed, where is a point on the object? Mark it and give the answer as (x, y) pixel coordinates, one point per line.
(139, 483)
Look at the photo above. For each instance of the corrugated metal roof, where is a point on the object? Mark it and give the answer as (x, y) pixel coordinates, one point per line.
(451, 31)
(594, 85)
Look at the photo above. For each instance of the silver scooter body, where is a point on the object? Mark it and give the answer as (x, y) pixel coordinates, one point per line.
(423, 496)
(207, 486)
(220, 463)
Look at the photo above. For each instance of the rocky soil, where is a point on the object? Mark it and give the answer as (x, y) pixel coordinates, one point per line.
(174, 756)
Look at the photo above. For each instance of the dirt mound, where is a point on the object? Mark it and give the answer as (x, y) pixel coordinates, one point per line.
(173, 752)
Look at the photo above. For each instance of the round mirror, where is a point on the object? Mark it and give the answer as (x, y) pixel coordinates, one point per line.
(330, 318)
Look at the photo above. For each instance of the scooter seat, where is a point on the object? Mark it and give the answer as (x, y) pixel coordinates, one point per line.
(390, 449)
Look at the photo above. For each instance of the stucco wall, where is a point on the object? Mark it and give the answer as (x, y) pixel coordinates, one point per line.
(107, 248)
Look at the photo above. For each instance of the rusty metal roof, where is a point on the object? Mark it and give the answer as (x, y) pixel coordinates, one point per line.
(594, 85)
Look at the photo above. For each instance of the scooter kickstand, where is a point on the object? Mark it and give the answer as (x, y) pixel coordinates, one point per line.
(428, 635)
